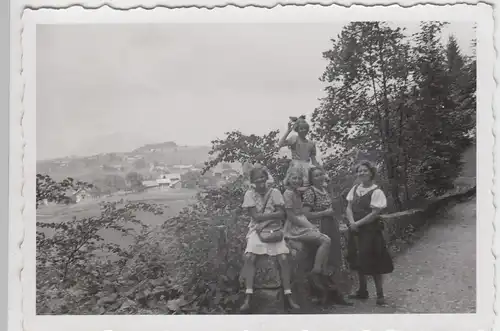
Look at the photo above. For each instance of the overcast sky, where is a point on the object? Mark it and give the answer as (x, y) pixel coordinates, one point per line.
(105, 88)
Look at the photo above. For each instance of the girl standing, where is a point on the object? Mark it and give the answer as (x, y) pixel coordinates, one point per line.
(303, 149)
(266, 209)
(318, 208)
(367, 251)
(298, 227)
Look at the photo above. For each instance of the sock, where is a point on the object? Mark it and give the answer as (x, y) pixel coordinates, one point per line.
(288, 292)
(249, 291)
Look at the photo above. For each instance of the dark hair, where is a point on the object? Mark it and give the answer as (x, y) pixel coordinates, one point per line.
(311, 172)
(256, 173)
(371, 167)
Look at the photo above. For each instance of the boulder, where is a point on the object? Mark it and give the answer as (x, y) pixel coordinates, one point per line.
(268, 292)
(268, 295)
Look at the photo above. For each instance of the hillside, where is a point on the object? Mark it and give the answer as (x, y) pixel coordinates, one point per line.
(143, 159)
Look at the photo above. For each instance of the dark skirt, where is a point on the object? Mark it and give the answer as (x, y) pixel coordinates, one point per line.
(367, 252)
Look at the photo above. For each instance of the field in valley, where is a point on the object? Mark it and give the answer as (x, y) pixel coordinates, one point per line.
(174, 200)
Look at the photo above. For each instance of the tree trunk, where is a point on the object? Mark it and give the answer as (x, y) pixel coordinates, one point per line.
(390, 155)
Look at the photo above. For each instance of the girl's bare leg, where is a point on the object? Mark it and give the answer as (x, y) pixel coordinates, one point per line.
(321, 258)
(379, 288)
(249, 275)
(362, 292)
(286, 280)
(249, 271)
(285, 272)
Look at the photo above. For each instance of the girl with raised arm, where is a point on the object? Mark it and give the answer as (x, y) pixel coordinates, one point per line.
(303, 149)
(367, 251)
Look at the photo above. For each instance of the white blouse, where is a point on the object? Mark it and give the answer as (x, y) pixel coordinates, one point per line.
(378, 197)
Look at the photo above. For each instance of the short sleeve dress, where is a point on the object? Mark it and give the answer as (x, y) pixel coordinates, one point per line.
(367, 250)
(302, 152)
(254, 245)
(318, 200)
(293, 201)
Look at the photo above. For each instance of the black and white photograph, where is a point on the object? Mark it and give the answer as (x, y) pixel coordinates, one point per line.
(260, 168)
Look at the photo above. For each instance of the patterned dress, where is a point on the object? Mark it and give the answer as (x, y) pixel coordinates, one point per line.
(319, 200)
(367, 250)
(293, 201)
(254, 244)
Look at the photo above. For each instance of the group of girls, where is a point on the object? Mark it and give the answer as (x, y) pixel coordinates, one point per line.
(304, 213)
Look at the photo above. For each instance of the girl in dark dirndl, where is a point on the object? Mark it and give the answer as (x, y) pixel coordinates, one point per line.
(367, 251)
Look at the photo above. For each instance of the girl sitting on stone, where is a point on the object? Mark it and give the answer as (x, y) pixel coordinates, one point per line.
(298, 227)
(265, 206)
(318, 208)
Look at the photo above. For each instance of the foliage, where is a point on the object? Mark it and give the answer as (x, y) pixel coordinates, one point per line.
(211, 239)
(238, 147)
(109, 184)
(134, 180)
(80, 272)
(58, 192)
(191, 179)
(399, 97)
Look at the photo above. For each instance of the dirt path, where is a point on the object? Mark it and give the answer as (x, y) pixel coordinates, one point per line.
(437, 274)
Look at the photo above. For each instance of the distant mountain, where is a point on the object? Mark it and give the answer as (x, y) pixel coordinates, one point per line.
(113, 142)
(147, 160)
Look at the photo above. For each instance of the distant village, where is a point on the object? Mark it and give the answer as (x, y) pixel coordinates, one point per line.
(153, 167)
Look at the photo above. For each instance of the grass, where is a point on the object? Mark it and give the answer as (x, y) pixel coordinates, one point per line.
(174, 201)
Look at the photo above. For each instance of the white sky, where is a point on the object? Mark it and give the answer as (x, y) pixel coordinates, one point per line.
(105, 88)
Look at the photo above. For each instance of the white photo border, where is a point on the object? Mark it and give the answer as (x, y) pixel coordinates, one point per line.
(22, 228)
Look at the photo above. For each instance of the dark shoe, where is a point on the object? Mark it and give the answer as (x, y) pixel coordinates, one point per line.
(245, 307)
(289, 303)
(359, 295)
(381, 301)
(338, 299)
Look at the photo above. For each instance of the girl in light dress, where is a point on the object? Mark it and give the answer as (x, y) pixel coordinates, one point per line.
(367, 251)
(264, 204)
(303, 149)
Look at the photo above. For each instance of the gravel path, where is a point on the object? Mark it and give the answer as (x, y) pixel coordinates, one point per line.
(436, 275)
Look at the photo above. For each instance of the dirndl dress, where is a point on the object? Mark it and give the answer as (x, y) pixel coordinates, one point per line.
(367, 251)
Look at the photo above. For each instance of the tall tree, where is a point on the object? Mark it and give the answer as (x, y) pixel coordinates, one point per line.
(401, 98)
(443, 125)
(366, 72)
